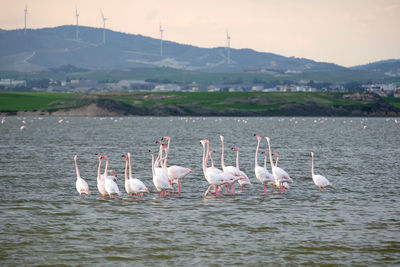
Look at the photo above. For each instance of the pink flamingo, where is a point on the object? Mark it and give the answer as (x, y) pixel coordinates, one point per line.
(160, 179)
(175, 172)
(214, 178)
(132, 185)
(101, 179)
(81, 185)
(285, 177)
(262, 174)
(109, 183)
(245, 180)
(319, 180)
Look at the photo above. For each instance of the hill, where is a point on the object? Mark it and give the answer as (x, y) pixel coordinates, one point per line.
(46, 48)
(388, 67)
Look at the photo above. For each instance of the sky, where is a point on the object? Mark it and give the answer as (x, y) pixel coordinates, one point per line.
(345, 32)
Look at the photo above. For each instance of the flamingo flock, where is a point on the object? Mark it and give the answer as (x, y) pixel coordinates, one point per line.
(164, 177)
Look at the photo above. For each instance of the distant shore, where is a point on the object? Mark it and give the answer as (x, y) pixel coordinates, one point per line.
(198, 104)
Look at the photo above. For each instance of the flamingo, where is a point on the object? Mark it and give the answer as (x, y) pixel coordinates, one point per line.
(279, 174)
(81, 185)
(137, 187)
(212, 161)
(101, 179)
(319, 180)
(160, 179)
(229, 169)
(245, 181)
(109, 183)
(231, 179)
(287, 179)
(262, 174)
(271, 181)
(175, 172)
(214, 178)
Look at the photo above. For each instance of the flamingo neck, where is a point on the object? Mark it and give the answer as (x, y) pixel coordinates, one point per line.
(152, 165)
(204, 157)
(312, 165)
(277, 160)
(256, 156)
(126, 169)
(99, 170)
(265, 161)
(222, 154)
(166, 153)
(159, 157)
(130, 167)
(237, 159)
(212, 161)
(270, 154)
(78, 176)
(105, 170)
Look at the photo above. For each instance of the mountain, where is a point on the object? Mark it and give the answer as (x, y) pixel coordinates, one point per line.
(389, 67)
(46, 48)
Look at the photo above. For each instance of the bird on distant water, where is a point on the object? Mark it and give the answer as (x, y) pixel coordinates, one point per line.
(319, 180)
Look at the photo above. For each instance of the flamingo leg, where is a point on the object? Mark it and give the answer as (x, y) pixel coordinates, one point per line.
(217, 191)
(207, 191)
(265, 189)
(179, 187)
(233, 189)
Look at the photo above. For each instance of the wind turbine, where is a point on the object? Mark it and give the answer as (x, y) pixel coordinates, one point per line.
(228, 48)
(26, 13)
(161, 40)
(77, 23)
(104, 26)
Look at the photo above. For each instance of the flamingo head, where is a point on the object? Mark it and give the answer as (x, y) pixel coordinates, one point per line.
(99, 156)
(151, 151)
(264, 153)
(212, 151)
(166, 138)
(202, 141)
(129, 155)
(104, 157)
(312, 154)
(257, 136)
(275, 154)
(159, 142)
(235, 148)
(125, 156)
(75, 157)
(267, 138)
(222, 138)
(112, 172)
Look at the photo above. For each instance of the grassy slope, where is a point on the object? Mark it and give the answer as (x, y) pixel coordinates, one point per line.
(220, 101)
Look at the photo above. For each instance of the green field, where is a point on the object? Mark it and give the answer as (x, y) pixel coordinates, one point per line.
(217, 103)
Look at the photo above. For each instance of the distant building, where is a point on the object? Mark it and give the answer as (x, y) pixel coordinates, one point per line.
(12, 83)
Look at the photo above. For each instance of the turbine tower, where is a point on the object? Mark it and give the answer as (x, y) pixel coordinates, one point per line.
(26, 13)
(104, 26)
(161, 40)
(77, 24)
(228, 48)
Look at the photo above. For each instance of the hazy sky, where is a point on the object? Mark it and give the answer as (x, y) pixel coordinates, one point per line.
(345, 32)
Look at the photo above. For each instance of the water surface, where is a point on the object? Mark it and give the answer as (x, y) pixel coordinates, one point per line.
(43, 221)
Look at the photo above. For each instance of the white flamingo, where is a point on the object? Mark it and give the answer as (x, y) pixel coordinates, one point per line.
(262, 174)
(212, 176)
(279, 174)
(271, 181)
(287, 179)
(319, 180)
(81, 185)
(229, 169)
(100, 179)
(109, 183)
(176, 173)
(159, 179)
(137, 187)
(245, 180)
